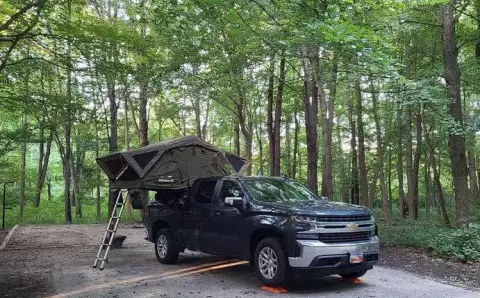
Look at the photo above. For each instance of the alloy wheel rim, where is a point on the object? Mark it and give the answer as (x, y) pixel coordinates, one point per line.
(162, 244)
(268, 262)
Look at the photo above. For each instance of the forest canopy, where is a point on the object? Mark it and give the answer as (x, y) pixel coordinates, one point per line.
(363, 101)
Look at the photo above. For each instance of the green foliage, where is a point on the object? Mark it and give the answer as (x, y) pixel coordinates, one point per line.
(464, 243)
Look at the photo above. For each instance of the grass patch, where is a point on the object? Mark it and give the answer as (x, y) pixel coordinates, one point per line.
(52, 212)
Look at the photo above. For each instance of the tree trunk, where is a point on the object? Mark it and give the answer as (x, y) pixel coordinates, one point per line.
(43, 161)
(237, 138)
(410, 172)
(126, 129)
(310, 66)
(400, 136)
(23, 163)
(143, 115)
(328, 114)
(472, 171)
(278, 118)
(260, 147)
(427, 183)
(270, 132)
(295, 145)
(456, 142)
(436, 177)
(288, 145)
(354, 192)
(362, 167)
(68, 130)
(380, 163)
(416, 165)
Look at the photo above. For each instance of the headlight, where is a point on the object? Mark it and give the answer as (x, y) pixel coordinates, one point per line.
(302, 223)
(302, 218)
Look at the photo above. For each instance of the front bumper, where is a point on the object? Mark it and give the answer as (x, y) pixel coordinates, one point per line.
(316, 254)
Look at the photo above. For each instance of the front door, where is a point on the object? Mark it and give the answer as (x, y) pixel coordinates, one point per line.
(225, 225)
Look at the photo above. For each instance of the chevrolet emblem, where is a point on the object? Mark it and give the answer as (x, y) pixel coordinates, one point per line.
(352, 226)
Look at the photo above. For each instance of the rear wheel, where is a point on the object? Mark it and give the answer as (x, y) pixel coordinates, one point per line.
(271, 263)
(356, 274)
(166, 249)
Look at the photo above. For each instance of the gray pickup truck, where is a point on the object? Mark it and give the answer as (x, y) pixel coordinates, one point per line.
(276, 224)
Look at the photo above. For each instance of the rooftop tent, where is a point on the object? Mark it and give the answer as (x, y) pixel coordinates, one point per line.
(169, 164)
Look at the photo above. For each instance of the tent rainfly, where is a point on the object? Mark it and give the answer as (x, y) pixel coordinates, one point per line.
(170, 164)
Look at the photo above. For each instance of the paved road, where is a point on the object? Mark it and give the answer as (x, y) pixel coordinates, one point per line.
(42, 261)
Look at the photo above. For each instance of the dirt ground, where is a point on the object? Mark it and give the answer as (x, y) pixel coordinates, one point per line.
(3, 234)
(421, 263)
(41, 261)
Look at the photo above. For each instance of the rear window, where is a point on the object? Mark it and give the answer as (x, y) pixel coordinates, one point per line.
(205, 191)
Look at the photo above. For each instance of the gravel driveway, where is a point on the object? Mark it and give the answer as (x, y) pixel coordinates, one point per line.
(41, 261)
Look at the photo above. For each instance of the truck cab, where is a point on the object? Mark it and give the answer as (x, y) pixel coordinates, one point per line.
(276, 224)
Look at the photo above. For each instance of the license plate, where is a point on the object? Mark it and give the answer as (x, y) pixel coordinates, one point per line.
(356, 258)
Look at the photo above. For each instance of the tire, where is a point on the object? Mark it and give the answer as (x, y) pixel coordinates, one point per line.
(356, 274)
(268, 253)
(166, 249)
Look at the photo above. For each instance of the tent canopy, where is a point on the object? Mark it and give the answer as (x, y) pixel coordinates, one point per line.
(169, 164)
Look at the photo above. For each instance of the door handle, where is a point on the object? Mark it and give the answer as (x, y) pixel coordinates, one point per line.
(217, 213)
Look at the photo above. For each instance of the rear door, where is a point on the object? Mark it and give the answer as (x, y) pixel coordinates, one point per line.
(197, 215)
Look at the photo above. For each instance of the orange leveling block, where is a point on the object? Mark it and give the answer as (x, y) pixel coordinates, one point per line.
(274, 290)
(353, 280)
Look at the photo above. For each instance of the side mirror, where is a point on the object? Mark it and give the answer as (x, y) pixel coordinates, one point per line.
(234, 201)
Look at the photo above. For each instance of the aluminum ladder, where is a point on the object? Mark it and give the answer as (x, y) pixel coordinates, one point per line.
(111, 229)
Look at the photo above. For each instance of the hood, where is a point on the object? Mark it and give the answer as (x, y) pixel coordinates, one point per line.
(314, 208)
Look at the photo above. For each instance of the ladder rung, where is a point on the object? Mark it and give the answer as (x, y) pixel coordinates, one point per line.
(111, 231)
(119, 204)
(115, 217)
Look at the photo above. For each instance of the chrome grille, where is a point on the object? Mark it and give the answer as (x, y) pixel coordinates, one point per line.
(344, 237)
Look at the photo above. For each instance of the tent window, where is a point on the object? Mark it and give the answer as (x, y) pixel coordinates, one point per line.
(144, 158)
(114, 166)
(129, 175)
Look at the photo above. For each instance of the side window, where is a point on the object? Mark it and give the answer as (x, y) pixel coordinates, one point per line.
(230, 189)
(205, 191)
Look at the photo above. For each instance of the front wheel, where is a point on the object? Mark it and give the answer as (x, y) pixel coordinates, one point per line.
(165, 248)
(271, 263)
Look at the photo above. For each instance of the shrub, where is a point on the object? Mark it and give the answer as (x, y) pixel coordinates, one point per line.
(463, 243)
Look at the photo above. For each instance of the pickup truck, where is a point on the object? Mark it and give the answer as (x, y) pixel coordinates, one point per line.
(279, 226)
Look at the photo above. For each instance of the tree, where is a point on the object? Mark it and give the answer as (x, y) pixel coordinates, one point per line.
(456, 141)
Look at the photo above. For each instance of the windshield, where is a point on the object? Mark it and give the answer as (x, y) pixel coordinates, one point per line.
(282, 191)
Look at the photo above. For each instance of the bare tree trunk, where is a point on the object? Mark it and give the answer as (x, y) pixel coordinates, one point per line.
(427, 183)
(143, 115)
(436, 177)
(310, 66)
(328, 114)
(380, 163)
(126, 134)
(23, 162)
(43, 161)
(278, 118)
(288, 145)
(237, 138)
(456, 142)
(68, 130)
(295, 145)
(400, 135)
(270, 132)
(472, 171)
(260, 146)
(410, 172)
(354, 191)
(362, 167)
(416, 165)
(75, 166)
